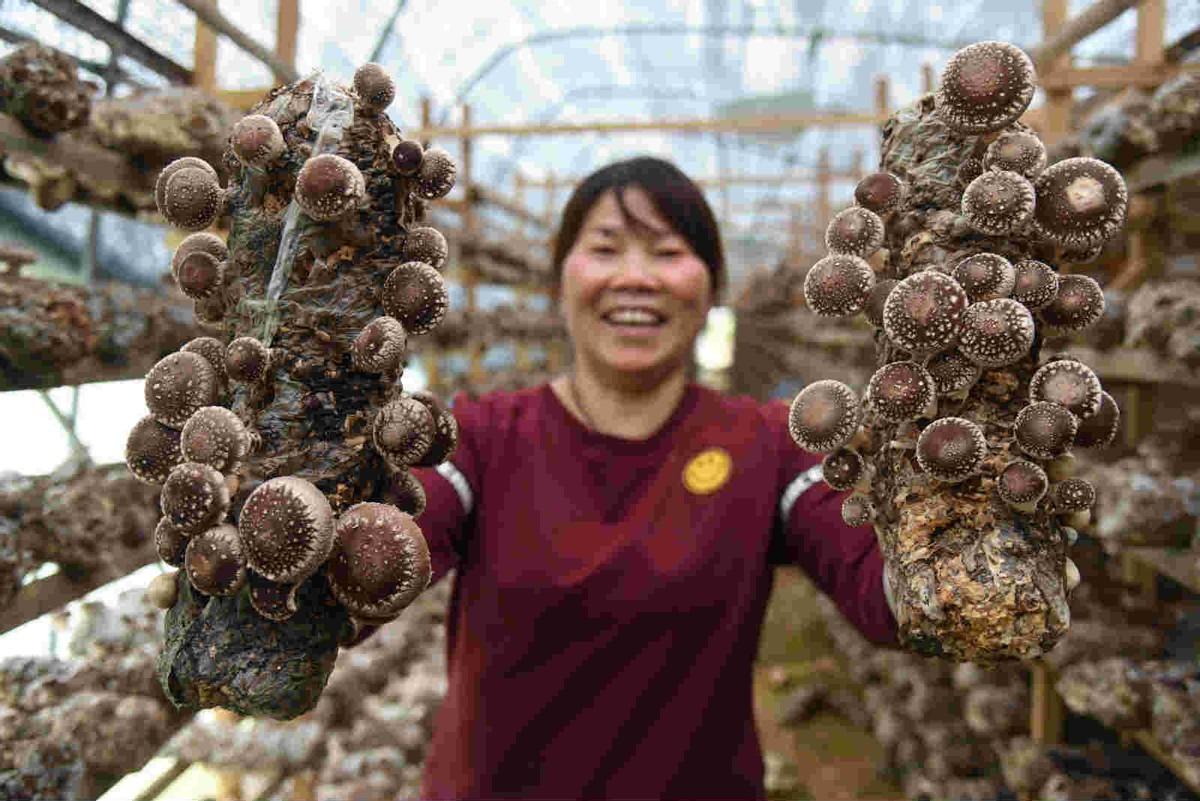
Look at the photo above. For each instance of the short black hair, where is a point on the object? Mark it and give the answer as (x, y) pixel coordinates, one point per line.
(675, 196)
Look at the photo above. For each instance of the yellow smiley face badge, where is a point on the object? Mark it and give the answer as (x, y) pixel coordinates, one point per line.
(707, 471)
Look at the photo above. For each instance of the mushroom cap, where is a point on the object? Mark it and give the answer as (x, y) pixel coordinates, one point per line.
(271, 599)
(201, 241)
(408, 493)
(923, 313)
(403, 431)
(984, 87)
(1045, 430)
(215, 562)
(380, 560)
(425, 244)
(1022, 482)
(880, 192)
(213, 352)
(163, 591)
(256, 140)
(170, 542)
(985, 276)
(445, 430)
(177, 385)
(1100, 429)
(842, 469)
(900, 391)
(215, 436)
(380, 347)
(415, 294)
(407, 156)
(996, 332)
(1016, 151)
(951, 448)
(435, 177)
(152, 450)
(1081, 255)
(211, 309)
(247, 360)
(329, 186)
(857, 510)
(823, 416)
(1035, 283)
(1081, 203)
(199, 274)
(998, 202)
(968, 170)
(194, 497)
(187, 162)
(191, 198)
(876, 298)
(855, 231)
(952, 371)
(1068, 383)
(838, 285)
(1078, 304)
(1073, 495)
(287, 529)
(374, 86)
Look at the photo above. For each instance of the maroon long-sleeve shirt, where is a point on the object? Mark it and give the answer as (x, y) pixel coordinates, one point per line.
(609, 595)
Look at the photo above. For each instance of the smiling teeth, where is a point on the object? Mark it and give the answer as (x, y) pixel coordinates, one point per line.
(634, 316)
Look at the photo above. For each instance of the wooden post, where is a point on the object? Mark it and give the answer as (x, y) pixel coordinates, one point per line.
(1058, 102)
(1047, 713)
(522, 349)
(824, 212)
(928, 79)
(1151, 31)
(555, 351)
(470, 229)
(426, 117)
(287, 26)
(882, 100)
(204, 58)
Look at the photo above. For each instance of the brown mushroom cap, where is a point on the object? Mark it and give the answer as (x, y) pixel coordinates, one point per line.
(1068, 383)
(194, 497)
(1073, 495)
(968, 170)
(287, 529)
(408, 493)
(838, 285)
(170, 541)
(187, 162)
(1022, 484)
(984, 87)
(271, 599)
(256, 140)
(215, 436)
(203, 242)
(923, 313)
(857, 510)
(435, 177)
(329, 186)
(215, 562)
(996, 332)
(191, 198)
(1083, 255)
(1078, 304)
(1035, 283)
(952, 371)
(985, 276)
(210, 310)
(380, 347)
(880, 192)
(415, 294)
(998, 202)
(374, 87)
(445, 430)
(425, 244)
(1081, 203)
(213, 352)
(842, 469)
(901, 391)
(1100, 429)
(380, 561)
(152, 450)
(823, 416)
(247, 360)
(407, 156)
(199, 274)
(163, 591)
(1016, 151)
(951, 448)
(876, 298)
(855, 231)
(1045, 430)
(178, 385)
(403, 431)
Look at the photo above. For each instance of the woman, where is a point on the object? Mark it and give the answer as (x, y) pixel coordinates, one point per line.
(614, 533)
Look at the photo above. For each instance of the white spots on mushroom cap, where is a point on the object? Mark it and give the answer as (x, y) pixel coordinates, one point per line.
(194, 496)
(838, 285)
(923, 313)
(823, 416)
(177, 385)
(1068, 383)
(998, 202)
(996, 332)
(900, 391)
(287, 529)
(1044, 430)
(951, 448)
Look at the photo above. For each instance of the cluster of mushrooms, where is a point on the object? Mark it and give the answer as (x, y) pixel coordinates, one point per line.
(258, 434)
(958, 330)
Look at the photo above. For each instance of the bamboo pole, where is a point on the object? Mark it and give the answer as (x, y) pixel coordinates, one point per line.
(207, 11)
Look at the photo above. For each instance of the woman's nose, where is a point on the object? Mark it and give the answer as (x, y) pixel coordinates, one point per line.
(636, 268)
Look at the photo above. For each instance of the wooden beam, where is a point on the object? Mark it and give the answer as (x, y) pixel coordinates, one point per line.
(928, 78)
(1057, 110)
(204, 48)
(1121, 76)
(287, 27)
(1151, 32)
(882, 99)
(241, 99)
(1059, 40)
(117, 38)
(207, 11)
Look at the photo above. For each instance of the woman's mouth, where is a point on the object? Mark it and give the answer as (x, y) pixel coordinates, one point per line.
(631, 318)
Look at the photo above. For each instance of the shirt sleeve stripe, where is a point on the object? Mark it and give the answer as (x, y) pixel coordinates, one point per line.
(457, 480)
(794, 490)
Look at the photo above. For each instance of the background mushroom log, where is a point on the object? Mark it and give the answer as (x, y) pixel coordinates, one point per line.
(53, 334)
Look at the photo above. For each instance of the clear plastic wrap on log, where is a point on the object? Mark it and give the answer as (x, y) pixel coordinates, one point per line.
(275, 437)
(965, 431)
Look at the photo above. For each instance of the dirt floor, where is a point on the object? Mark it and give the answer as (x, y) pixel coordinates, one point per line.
(828, 756)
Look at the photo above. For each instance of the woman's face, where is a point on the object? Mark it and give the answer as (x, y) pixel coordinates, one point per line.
(633, 299)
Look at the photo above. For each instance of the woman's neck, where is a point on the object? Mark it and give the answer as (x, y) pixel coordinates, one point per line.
(629, 410)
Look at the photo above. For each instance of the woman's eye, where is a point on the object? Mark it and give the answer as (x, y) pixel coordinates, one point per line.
(669, 253)
(604, 250)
